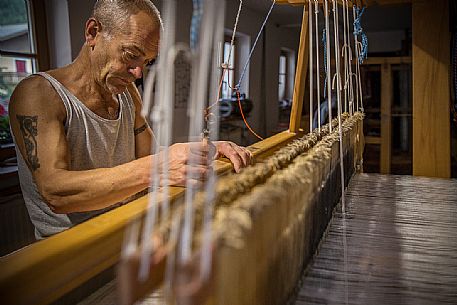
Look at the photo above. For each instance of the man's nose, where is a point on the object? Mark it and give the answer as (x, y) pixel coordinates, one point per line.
(137, 72)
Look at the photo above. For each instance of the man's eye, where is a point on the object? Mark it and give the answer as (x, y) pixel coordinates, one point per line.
(129, 56)
(150, 62)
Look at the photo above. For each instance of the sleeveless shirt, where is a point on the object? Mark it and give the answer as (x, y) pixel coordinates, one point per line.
(93, 142)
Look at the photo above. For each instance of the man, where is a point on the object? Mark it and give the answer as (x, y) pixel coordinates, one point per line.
(81, 142)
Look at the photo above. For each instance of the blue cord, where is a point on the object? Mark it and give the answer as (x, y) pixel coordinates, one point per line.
(238, 85)
(359, 31)
(196, 22)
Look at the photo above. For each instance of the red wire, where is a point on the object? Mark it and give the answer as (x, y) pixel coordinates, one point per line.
(239, 104)
(242, 114)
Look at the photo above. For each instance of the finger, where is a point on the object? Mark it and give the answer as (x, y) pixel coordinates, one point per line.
(199, 148)
(198, 172)
(194, 183)
(197, 159)
(235, 158)
(243, 154)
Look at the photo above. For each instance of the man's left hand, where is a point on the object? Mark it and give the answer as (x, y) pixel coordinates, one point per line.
(239, 156)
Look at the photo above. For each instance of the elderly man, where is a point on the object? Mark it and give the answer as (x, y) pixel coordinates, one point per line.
(82, 145)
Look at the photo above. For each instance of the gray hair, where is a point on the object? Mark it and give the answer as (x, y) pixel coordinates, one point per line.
(114, 14)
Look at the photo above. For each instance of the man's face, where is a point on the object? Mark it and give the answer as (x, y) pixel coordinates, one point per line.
(124, 56)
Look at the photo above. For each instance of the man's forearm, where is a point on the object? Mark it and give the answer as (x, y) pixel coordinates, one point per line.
(79, 191)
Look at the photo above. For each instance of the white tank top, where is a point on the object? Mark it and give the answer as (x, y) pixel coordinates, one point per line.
(94, 142)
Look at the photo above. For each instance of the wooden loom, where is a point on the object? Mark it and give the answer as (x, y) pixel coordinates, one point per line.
(47, 270)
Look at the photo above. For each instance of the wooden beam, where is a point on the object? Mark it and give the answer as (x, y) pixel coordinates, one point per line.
(359, 3)
(48, 269)
(387, 60)
(300, 76)
(372, 140)
(386, 118)
(431, 89)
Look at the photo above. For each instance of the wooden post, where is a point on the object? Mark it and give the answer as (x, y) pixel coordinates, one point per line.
(300, 76)
(431, 95)
(386, 119)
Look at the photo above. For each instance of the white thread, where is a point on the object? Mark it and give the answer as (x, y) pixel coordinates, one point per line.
(316, 15)
(311, 87)
(329, 89)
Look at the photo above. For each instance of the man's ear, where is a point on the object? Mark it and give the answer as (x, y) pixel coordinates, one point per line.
(93, 28)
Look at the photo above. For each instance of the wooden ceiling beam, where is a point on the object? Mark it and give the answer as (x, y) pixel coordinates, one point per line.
(359, 3)
(302, 2)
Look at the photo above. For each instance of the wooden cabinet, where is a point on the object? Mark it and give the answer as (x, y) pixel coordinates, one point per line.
(388, 108)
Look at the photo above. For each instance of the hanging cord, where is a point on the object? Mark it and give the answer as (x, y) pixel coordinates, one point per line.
(161, 119)
(225, 65)
(328, 68)
(232, 41)
(359, 31)
(238, 98)
(254, 45)
(349, 63)
(338, 96)
(345, 57)
(195, 23)
(311, 58)
(316, 25)
(324, 44)
(358, 50)
(238, 85)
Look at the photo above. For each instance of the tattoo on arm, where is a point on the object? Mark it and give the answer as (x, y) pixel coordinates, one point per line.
(28, 125)
(140, 129)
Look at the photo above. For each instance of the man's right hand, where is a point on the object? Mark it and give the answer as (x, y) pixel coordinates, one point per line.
(186, 160)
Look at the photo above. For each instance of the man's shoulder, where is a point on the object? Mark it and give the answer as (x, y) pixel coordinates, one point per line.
(35, 85)
(36, 91)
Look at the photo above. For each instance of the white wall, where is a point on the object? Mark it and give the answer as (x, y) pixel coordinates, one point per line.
(58, 33)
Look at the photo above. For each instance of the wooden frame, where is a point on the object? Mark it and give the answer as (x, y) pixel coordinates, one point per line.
(385, 139)
(46, 270)
(431, 89)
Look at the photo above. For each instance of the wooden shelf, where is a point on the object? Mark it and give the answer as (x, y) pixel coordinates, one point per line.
(372, 140)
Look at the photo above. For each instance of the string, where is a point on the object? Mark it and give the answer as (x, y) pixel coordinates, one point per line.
(195, 23)
(195, 111)
(225, 65)
(244, 118)
(254, 45)
(324, 44)
(329, 90)
(316, 16)
(232, 41)
(243, 73)
(338, 96)
(237, 92)
(161, 118)
(311, 87)
(210, 189)
(359, 31)
(345, 56)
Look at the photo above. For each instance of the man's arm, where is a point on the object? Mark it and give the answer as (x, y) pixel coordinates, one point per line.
(37, 118)
(144, 137)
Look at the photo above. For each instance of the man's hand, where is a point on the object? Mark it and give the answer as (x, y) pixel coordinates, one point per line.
(186, 160)
(190, 160)
(239, 156)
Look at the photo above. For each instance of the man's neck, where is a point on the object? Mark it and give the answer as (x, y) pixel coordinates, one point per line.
(86, 79)
(80, 78)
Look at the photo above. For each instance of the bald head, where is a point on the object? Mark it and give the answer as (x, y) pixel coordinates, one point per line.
(113, 15)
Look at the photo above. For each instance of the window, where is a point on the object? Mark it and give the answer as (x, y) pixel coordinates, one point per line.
(283, 65)
(18, 55)
(228, 81)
